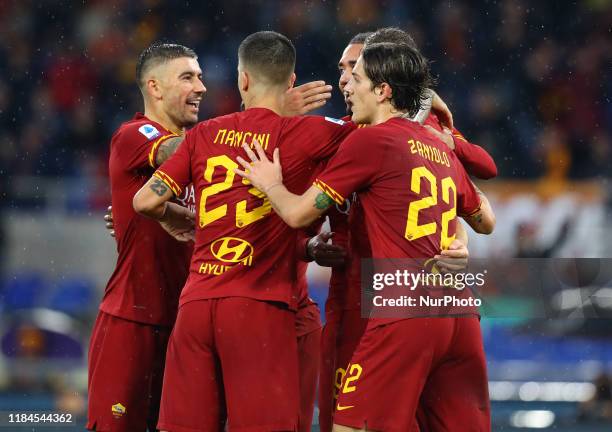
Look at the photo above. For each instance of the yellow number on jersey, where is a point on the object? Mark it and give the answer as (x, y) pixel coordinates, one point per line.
(413, 229)
(209, 216)
(353, 374)
(243, 216)
(448, 185)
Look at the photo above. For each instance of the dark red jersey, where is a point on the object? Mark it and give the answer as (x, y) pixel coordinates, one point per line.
(411, 186)
(242, 247)
(151, 267)
(475, 160)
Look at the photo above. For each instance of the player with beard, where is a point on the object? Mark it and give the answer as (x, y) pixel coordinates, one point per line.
(130, 335)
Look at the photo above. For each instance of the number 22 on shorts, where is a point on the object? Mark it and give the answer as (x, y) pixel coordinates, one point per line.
(352, 374)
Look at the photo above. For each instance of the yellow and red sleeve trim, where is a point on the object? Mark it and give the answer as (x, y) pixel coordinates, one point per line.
(155, 146)
(473, 212)
(174, 187)
(329, 191)
(458, 135)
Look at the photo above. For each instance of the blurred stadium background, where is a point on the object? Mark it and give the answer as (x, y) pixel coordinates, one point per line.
(529, 81)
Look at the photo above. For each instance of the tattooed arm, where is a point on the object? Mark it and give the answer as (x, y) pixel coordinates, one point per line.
(152, 201)
(298, 211)
(167, 149)
(483, 221)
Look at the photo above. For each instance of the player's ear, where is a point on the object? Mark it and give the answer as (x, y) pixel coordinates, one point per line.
(244, 80)
(292, 80)
(383, 92)
(153, 88)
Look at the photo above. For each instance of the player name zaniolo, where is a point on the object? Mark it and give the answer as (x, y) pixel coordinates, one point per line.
(429, 152)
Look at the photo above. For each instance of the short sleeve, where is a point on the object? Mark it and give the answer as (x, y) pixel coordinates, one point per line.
(352, 168)
(176, 170)
(468, 200)
(137, 145)
(325, 136)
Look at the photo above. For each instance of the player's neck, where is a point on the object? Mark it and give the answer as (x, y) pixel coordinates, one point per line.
(384, 113)
(271, 100)
(160, 116)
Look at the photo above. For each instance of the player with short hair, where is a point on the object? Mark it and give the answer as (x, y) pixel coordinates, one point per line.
(443, 366)
(344, 324)
(296, 101)
(130, 335)
(233, 349)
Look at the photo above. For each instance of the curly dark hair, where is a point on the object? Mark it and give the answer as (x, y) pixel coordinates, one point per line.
(403, 68)
(360, 38)
(391, 35)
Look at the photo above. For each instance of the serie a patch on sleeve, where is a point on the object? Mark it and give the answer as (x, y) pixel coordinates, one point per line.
(334, 120)
(149, 131)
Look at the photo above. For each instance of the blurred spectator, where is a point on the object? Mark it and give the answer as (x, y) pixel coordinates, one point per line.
(517, 74)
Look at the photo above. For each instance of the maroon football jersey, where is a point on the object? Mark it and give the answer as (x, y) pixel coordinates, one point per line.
(242, 247)
(474, 159)
(411, 186)
(151, 265)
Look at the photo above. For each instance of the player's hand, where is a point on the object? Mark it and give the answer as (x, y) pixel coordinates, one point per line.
(179, 222)
(261, 172)
(110, 224)
(305, 98)
(454, 259)
(446, 136)
(323, 253)
(444, 114)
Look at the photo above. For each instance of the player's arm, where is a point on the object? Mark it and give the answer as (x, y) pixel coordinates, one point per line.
(168, 181)
(152, 201)
(444, 114)
(298, 211)
(476, 160)
(461, 234)
(167, 148)
(482, 220)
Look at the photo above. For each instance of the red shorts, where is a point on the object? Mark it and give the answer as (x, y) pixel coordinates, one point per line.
(231, 355)
(308, 330)
(437, 361)
(126, 364)
(308, 357)
(307, 318)
(340, 338)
